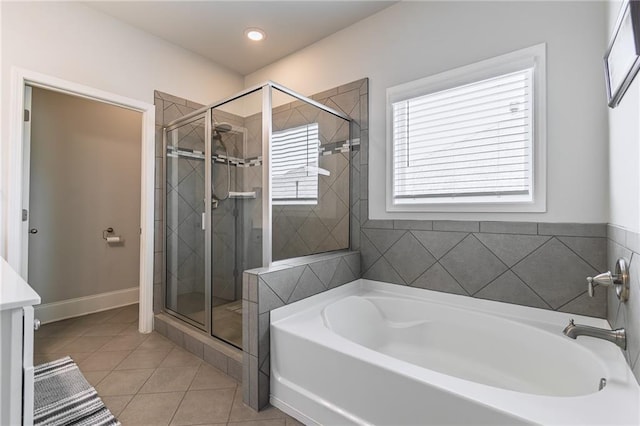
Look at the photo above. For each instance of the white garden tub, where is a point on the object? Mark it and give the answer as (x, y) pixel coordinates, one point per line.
(376, 353)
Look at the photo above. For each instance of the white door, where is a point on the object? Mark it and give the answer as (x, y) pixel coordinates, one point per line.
(26, 159)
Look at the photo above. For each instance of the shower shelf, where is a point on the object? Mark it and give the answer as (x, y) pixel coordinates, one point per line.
(250, 194)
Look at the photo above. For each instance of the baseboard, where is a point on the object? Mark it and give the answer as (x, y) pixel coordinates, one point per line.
(71, 308)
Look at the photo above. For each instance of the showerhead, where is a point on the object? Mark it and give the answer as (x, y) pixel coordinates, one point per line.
(219, 129)
(222, 127)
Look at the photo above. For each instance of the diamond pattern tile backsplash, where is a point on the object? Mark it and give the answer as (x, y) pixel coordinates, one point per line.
(543, 271)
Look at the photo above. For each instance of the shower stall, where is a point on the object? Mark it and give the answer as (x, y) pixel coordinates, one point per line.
(255, 178)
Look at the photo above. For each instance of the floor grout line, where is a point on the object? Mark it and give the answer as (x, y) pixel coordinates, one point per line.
(177, 407)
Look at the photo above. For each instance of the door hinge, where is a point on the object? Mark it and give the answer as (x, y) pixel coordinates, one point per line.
(27, 115)
(25, 215)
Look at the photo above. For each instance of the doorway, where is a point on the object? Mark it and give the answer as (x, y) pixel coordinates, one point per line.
(15, 238)
(83, 214)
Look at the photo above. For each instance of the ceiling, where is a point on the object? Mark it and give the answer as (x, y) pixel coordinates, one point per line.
(215, 29)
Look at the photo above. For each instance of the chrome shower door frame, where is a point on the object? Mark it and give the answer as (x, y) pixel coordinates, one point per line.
(266, 175)
(208, 222)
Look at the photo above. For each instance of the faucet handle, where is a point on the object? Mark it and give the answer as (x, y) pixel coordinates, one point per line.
(619, 280)
(604, 279)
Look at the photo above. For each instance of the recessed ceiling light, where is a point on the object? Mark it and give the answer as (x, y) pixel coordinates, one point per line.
(255, 34)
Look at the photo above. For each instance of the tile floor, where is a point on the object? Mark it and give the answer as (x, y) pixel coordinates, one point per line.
(145, 379)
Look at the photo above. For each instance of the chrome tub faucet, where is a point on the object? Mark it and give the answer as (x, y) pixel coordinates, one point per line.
(618, 336)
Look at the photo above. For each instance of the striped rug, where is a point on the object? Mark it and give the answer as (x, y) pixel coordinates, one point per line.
(64, 397)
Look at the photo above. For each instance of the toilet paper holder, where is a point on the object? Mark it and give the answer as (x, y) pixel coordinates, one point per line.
(107, 235)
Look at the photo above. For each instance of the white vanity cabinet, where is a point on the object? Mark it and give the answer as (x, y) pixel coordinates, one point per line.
(16, 347)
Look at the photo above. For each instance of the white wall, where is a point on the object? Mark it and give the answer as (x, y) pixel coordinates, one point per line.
(411, 40)
(74, 42)
(624, 150)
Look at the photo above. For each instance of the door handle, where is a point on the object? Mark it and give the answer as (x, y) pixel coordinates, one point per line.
(33, 231)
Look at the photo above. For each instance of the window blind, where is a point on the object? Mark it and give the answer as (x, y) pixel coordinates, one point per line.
(294, 167)
(472, 140)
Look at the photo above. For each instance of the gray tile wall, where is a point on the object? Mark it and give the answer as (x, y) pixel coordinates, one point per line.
(528, 264)
(623, 243)
(300, 230)
(269, 288)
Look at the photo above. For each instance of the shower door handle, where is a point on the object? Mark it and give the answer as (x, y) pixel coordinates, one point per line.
(204, 221)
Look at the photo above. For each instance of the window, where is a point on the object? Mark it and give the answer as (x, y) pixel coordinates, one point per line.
(294, 157)
(466, 139)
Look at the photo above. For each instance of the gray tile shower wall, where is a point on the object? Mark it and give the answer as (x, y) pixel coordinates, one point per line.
(538, 265)
(269, 288)
(300, 230)
(623, 243)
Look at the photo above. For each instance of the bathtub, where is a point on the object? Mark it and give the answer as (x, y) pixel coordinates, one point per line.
(376, 353)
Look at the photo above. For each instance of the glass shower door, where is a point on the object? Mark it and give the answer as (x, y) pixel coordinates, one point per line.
(187, 288)
(236, 215)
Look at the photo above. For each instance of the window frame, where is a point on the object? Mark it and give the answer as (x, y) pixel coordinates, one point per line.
(531, 57)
